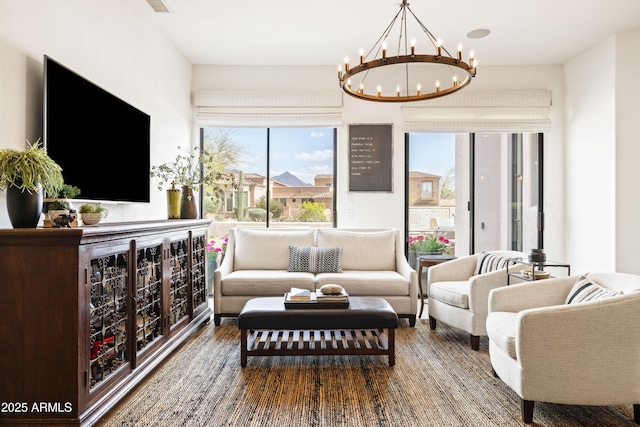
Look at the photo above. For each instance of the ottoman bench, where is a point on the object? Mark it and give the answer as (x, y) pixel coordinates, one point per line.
(268, 328)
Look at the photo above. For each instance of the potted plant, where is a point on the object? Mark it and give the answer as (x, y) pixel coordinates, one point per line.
(25, 175)
(92, 213)
(189, 171)
(56, 207)
(422, 245)
(59, 204)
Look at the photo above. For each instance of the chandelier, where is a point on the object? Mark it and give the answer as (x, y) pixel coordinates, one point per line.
(406, 76)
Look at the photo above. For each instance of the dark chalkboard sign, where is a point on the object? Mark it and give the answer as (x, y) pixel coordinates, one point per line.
(370, 155)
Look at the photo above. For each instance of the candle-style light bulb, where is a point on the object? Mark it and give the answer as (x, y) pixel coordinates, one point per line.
(413, 46)
(460, 52)
(455, 81)
(398, 90)
(384, 50)
(439, 47)
(418, 89)
(437, 85)
(361, 88)
(346, 64)
(349, 83)
(379, 90)
(339, 72)
(361, 56)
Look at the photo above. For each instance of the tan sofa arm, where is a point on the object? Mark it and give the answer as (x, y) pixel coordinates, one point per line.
(226, 268)
(523, 296)
(481, 285)
(572, 350)
(454, 270)
(539, 293)
(404, 269)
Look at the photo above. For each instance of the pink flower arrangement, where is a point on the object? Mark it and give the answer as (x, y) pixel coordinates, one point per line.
(423, 244)
(214, 251)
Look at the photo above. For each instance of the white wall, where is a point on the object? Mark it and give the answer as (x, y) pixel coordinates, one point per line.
(114, 46)
(387, 209)
(590, 165)
(627, 178)
(603, 149)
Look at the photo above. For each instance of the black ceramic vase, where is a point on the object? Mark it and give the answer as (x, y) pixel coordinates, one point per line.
(188, 208)
(24, 208)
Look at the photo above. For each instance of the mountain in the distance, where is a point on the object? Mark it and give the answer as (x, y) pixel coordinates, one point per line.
(290, 179)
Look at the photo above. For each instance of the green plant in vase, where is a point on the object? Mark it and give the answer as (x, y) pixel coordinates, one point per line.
(26, 175)
(189, 171)
(92, 213)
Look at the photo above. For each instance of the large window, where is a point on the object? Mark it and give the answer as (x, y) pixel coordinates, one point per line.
(284, 178)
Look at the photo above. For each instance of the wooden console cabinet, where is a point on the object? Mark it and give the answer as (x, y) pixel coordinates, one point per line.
(86, 313)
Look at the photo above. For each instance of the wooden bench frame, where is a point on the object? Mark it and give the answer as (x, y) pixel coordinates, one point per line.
(292, 342)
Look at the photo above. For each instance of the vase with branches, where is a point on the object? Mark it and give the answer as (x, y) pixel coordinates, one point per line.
(190, 170)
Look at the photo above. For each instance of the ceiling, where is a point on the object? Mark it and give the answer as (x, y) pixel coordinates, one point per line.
(302, 32)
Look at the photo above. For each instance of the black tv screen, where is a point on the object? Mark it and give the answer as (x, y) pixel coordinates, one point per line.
(101, 142)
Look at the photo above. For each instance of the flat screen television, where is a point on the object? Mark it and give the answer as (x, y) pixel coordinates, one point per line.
(101, 142)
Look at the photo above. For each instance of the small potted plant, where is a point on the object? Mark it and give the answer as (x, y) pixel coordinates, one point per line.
(92, 213)
(25, 175)
(60, 203)
(56, 207)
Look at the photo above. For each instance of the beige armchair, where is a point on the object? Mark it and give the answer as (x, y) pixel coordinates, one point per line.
(584, 353)
(458, 292)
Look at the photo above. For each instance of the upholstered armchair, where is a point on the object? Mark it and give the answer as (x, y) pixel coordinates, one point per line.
(569, 340)
(458, 290)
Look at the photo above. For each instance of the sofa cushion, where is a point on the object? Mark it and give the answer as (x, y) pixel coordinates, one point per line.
(488, 262)
(267, 249)
(265, 282)
(501, 329)
(362, 250)
(588, 290)
(454, 293)
(315, 260)
(366, 283)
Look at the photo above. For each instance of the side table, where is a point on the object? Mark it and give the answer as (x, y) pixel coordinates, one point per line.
(429, 261)
(539, 266)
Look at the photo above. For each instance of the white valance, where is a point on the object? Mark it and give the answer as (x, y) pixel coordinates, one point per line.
(268, 108)
(481, 111)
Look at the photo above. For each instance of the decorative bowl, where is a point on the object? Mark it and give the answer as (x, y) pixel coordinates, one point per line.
(537, 275)
(91, 218)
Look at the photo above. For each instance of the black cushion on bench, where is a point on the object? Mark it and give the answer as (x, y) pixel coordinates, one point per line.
(363, 312)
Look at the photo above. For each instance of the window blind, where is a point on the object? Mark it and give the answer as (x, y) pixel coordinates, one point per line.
(481, 111)
(268, 108)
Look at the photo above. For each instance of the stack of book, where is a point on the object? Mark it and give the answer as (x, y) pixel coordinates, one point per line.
(303, 298)
(297, 294)
(341, 297)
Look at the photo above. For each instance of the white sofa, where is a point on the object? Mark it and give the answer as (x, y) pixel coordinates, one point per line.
(580, 353)
(257, 260)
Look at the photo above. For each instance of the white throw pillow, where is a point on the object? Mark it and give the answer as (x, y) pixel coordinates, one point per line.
(488, 262)
(588, 290)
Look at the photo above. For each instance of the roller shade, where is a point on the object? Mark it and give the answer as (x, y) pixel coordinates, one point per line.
(268, 108)
(481, 111)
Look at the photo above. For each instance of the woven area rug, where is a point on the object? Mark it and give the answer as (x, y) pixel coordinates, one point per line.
(437, 381)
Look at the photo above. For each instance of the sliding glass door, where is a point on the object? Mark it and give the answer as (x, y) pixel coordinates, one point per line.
(481, 191)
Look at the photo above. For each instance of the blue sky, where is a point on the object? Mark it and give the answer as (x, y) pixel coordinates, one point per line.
(303, 152)
(307, 152)
(433, 153)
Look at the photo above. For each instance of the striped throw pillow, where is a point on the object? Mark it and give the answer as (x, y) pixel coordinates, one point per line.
(489, 262)
(588, 290)
(313, 259)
